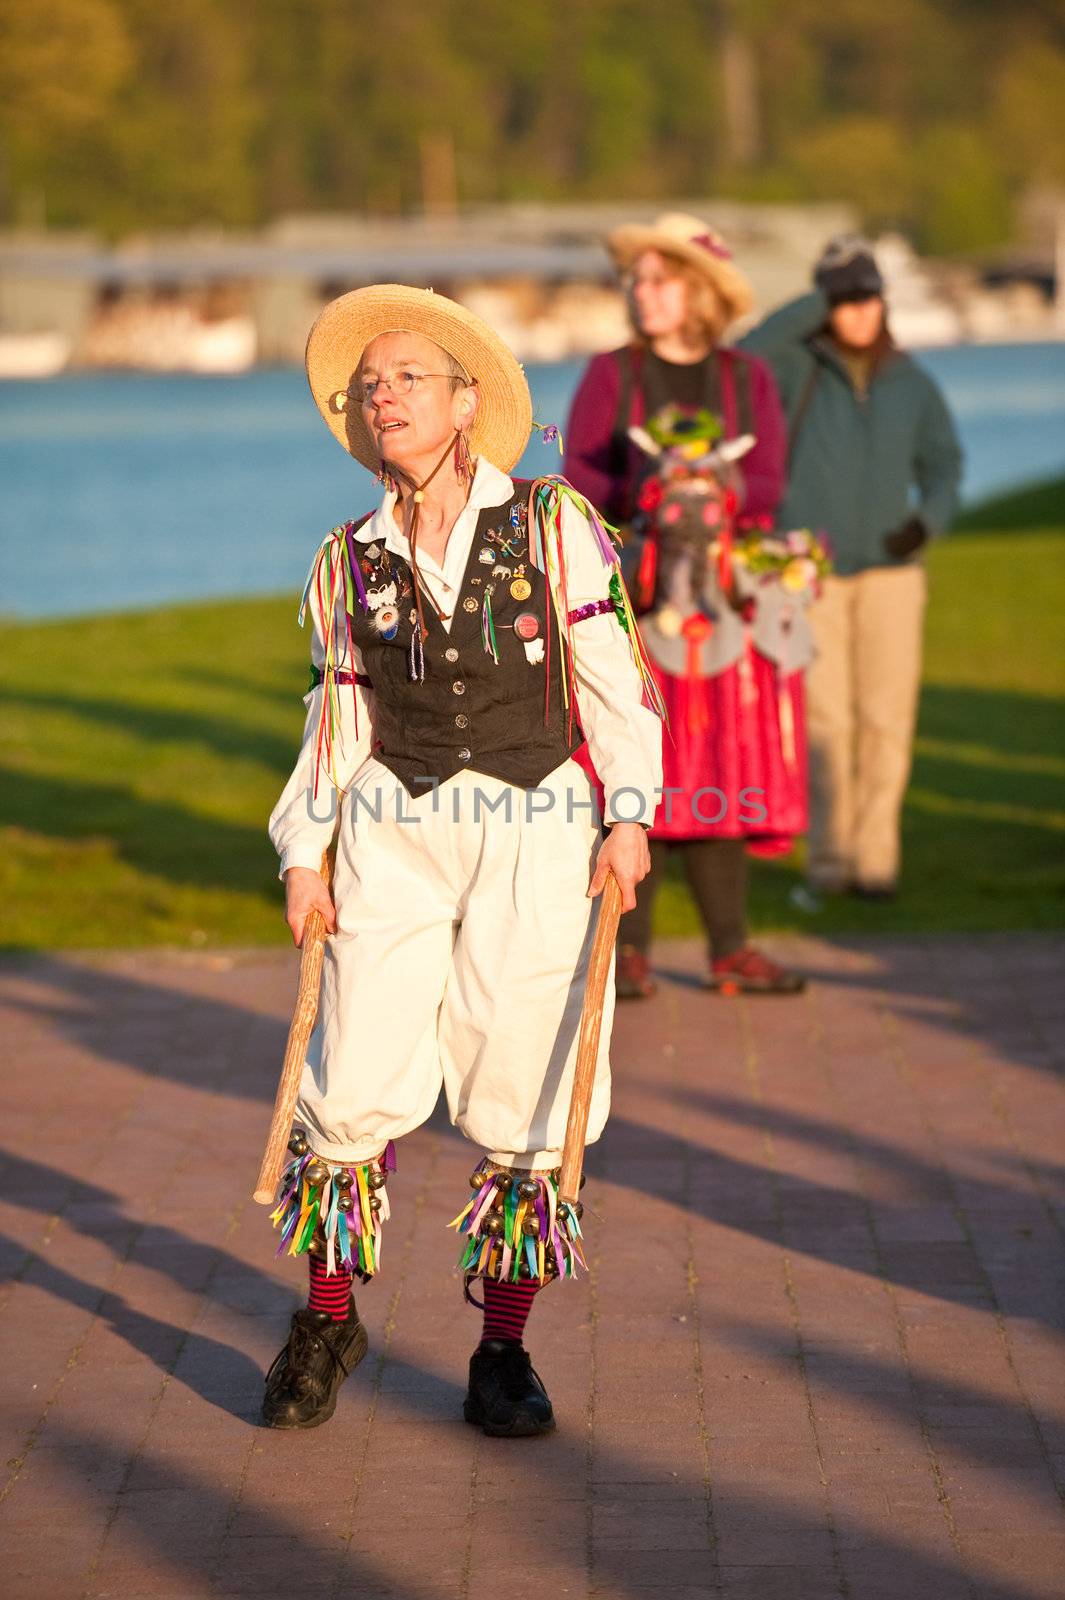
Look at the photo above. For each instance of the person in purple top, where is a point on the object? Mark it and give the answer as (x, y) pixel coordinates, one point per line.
(736, 719)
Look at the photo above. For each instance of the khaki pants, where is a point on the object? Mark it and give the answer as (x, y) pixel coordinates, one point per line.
(861, 705)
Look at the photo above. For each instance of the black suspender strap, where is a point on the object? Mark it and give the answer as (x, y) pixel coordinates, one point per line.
(628, 361)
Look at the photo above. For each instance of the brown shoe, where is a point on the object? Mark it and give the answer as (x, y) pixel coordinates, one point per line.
(633, 980)
(749, 971)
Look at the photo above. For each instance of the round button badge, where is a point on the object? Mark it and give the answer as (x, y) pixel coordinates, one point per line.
(520, 589)
(526, 626)
(386, 621)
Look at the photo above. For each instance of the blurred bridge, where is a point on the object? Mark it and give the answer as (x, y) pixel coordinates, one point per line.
(56, 286)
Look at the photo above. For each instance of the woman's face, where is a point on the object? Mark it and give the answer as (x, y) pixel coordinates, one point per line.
(658, 295)
(857, 322)
(410, 428)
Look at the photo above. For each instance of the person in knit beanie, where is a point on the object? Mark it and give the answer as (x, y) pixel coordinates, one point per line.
(874, 462)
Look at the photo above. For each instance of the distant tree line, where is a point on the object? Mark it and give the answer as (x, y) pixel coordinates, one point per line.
(932, 115)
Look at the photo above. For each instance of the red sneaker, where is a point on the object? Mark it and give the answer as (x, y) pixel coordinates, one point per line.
(748, 971)
(633, 980)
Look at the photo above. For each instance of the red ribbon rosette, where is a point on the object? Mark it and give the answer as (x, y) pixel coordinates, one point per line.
(696, 629)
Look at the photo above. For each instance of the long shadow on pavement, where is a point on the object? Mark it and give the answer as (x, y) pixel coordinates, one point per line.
(299, 1563)
(233, 1383)
(108, 999)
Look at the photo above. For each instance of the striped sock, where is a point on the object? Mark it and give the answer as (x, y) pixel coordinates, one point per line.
(329, 1293)
(506, 1309)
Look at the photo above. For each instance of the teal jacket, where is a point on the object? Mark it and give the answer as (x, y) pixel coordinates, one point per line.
(859, 467)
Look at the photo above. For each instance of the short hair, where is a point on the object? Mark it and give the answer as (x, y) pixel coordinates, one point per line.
(460, 378)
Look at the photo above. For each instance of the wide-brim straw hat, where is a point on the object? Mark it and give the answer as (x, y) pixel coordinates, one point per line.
(695, 243)
(503, 420)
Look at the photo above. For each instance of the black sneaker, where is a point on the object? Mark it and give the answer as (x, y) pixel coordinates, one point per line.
(302, 1383)
(506, 1397)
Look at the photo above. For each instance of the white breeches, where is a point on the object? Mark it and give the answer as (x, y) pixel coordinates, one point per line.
(460, 957)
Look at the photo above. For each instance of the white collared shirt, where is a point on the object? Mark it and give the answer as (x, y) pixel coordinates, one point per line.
(624, 735)
(490, 487)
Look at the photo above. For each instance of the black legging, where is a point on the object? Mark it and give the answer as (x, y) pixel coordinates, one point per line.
(716, 870)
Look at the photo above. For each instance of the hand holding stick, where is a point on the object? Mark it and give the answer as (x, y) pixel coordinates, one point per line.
(606, 931)
(312, 953)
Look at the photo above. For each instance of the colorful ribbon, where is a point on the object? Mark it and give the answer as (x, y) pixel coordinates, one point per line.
(334, 573)
(512, 1233)
(309, 1206)
(547, 498)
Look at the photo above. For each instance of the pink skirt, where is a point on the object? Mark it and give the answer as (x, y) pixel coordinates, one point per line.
(734, 757)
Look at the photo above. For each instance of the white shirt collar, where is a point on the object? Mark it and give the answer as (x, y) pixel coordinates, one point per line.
(490, 487)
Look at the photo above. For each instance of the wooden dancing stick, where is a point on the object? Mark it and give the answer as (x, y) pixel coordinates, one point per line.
(312, 953)
(606, 931)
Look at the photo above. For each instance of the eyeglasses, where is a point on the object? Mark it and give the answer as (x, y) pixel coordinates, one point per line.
(399, 383)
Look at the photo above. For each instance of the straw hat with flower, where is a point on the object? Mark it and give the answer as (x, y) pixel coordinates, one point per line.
(691, 241)
(500, 429)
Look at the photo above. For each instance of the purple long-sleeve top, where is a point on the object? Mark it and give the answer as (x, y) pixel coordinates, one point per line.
(592, 459)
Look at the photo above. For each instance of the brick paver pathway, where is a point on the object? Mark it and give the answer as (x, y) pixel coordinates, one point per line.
(819, 1354)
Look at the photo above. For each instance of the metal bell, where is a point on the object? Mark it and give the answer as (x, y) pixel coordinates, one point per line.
(316, 1248)
(345, 1201)
(377, 1180)
(531, 1227)
(503, 1180)
(492, 1225)
(375, 1203)
(528, 1189)
(344, 1178)
(316, 1173)
(298, 1142)
(477, 1178)
(578, 1210)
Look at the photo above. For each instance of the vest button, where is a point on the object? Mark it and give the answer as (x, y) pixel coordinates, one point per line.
(458, 687)
(463, 754)
(462, 721)
(451, 654)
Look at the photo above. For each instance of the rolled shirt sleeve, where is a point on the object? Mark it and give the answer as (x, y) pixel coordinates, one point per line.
(624, 735)
(302, 823)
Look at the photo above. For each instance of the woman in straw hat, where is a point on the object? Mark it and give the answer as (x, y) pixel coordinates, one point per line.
(458, 632)
(734, 775)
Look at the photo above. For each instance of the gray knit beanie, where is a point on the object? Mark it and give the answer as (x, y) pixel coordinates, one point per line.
(847, 270)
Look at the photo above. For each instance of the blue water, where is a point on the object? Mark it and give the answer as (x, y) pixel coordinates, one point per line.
(123, 490)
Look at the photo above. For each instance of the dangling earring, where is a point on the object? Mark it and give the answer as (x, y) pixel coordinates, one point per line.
(463, 463)
(386, 478)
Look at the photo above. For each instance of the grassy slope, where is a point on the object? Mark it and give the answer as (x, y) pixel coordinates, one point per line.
(143, 753)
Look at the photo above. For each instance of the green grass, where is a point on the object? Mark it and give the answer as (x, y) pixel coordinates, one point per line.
(143, 754)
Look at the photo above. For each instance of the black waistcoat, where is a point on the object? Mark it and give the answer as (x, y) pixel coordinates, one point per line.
(469, 711)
